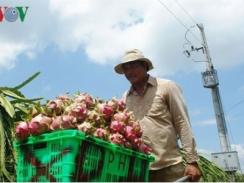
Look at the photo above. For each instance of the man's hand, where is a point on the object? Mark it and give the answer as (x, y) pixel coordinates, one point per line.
(192, 170)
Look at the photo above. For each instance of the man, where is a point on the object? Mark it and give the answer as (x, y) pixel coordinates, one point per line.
(158, 105)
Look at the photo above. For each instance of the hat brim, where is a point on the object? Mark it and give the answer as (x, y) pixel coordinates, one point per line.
(119, 69)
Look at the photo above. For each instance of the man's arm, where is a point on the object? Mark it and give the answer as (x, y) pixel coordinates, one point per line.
(181, 123)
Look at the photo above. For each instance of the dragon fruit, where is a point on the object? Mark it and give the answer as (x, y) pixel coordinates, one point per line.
(117, 126)
(85, 127)
(78, 110)
(55, 107)
(94, 116)
(106, 110)
(63, 122)
(141, 146)
(136, 128)
(39, 124)
(113, 103)
(64, 98)
(56, 123)
(22, 130)
(122, 116)
(117, 138)
(130, 134)
(121, 105)
(108, 120)
(84, 98)
(68, 122)
(101, 133)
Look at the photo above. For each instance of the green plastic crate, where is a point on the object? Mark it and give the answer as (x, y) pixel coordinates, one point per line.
(70, 155)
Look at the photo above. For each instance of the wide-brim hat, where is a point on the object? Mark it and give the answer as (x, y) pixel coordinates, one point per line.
(130, 56)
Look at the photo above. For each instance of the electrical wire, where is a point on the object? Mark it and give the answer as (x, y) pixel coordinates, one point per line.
(172, 13)
(188, 42)
(233, 106)
(179, 20)
(227, 121)
(188, 30)
(186, 12)
(229, 127)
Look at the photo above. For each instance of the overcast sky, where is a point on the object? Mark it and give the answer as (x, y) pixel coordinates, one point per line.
(76, 43)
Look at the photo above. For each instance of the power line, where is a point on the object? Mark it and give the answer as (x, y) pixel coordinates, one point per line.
(227, 121)
(179, 20)
(186, 12)
(172, 13)
(229, 127)
(233, 106)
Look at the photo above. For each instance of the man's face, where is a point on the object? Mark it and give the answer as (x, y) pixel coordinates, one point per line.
(135, 71)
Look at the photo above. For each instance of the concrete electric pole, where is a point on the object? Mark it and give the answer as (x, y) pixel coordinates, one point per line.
(227, 159)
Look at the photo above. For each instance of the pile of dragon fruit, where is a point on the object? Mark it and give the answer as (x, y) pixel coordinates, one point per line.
(108, 120)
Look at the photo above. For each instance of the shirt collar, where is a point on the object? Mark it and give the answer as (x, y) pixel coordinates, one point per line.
(150, 82)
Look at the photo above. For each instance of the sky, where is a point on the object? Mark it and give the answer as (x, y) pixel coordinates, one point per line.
(76, 44)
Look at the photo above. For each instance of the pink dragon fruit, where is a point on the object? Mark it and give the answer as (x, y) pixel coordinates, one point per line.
(106, 110)
(68, 122)
(108, 120)
(78, 110)
(117, 126)
(113, 103)
(85, 127)
(130, 134)
(144, 148)
(122, 116)
(136, 128)
(22, 130)
(65, 99)
(121, 105)
(117, 138)
(84, 98)
(39, 124)
(101, 133)
(56, 123)
(94, 116)
(55, 106)
(139, 145)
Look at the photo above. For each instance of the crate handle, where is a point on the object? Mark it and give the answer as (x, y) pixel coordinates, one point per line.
(40, 145)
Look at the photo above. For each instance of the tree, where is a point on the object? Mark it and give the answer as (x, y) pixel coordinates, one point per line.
(14, 107)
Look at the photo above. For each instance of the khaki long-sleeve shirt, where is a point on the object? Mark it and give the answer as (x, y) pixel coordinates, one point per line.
(163, 116)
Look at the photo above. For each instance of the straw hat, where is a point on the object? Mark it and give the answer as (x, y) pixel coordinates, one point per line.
(130, 56)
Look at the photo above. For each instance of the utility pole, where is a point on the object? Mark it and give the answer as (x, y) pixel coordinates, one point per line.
(210, 79)
(226, 159)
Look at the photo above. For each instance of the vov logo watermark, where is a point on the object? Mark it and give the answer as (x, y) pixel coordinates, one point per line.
(12, 14)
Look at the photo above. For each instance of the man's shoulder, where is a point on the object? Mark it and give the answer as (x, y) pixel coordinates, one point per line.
(167, 84)
(162, 81)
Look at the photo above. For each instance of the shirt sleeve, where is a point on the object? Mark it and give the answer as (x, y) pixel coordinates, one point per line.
(181, 121)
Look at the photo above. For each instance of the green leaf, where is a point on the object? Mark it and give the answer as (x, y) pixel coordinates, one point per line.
(13, 95)
(27, 81)
(32, 101)
(7, 106)
(13, 90)
(21, 108)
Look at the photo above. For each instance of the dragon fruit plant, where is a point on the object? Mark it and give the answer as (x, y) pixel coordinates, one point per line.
(108, 120)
